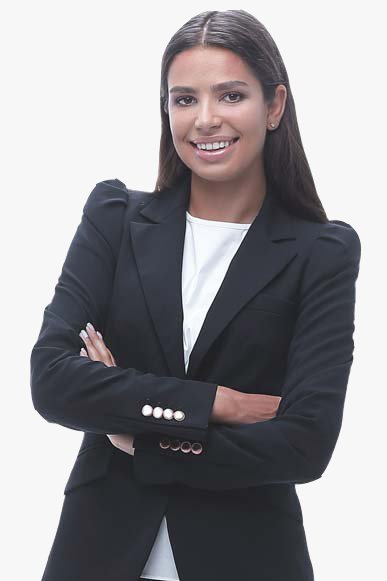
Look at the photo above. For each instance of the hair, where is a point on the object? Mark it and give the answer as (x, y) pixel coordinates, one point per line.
(286, 168)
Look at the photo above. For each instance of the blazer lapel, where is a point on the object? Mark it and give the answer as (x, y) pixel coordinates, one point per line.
(158, 249)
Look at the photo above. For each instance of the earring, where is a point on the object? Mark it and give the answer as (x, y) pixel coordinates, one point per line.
(272, 125)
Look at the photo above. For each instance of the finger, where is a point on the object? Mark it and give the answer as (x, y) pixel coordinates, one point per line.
(96, 346)
(113, 361)
(98, 342)
(83, 352)
(126, 438)
(92, 351)
(96, 339)
(123, 442)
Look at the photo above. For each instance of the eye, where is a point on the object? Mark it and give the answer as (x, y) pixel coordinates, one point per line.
(238, 95)
(180, 98)
(235, 94)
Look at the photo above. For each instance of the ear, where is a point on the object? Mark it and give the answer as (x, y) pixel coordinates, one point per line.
(277, 105)
(164, 102)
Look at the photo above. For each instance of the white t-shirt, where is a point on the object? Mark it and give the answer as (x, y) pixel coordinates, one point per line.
(209, 247)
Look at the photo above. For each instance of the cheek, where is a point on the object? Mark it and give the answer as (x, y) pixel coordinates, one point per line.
(175, 129)
(177, 132)
(251, 121)
(182, 149)
(181, 128)
(179, 124)
(253, 142)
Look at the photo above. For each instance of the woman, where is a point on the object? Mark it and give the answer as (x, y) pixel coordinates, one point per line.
(220, 311)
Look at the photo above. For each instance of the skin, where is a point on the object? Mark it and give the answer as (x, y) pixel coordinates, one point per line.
(231, 189)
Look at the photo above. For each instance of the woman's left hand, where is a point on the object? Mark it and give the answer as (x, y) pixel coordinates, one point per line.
(96, 350)
(123, 442)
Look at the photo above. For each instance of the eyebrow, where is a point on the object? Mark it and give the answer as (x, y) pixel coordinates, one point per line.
(218, 87)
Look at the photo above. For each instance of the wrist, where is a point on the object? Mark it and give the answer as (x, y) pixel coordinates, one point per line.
(226, 406)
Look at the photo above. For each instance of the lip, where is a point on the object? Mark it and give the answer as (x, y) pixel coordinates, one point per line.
(217, 154)
(213, 139)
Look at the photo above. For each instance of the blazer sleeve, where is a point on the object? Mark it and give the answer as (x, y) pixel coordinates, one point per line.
(87, 395)
(295, 446)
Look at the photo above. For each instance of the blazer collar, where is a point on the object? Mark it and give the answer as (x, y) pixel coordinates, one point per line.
(158, 248)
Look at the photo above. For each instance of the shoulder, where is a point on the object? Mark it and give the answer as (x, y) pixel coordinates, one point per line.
(333, 240)
(342, 233)
(330, 257)
(339, 239)
(112, 195)
(111, 198)
(107, 205)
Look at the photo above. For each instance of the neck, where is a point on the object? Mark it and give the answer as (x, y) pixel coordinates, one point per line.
(227, 201)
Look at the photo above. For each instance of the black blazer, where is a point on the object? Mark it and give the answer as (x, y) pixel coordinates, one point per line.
(282, 324)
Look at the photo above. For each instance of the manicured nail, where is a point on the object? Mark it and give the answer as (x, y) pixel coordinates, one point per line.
(83, 351)
(84, 334)
(90, 326)
(99, 334)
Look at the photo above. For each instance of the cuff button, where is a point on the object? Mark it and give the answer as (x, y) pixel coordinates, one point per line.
(147, 410)
(185, 447)
(157, 412)
(175, 445)
(197, 448)
(168, 414)
(165, 443)
(179, 415)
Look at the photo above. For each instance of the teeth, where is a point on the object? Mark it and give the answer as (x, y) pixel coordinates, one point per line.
(215, 145)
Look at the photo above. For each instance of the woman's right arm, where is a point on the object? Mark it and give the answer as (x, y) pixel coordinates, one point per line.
(87, 395)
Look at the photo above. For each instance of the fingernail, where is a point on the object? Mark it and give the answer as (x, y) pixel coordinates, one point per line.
(84, 334)
(99, 334)
(90, 326)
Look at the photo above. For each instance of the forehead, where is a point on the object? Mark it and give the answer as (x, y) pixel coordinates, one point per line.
(199, 64)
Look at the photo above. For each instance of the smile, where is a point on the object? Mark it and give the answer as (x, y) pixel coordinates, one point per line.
(219, 152)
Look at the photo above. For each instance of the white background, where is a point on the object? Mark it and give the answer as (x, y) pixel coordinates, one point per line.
(80, 104)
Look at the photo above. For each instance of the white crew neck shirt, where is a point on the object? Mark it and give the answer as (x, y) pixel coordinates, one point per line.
(209, 247)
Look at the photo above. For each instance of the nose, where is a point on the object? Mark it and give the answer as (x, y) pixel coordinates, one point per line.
(206, 117)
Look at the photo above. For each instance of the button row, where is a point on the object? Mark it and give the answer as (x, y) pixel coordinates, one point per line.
(182, 445)
(158, 412)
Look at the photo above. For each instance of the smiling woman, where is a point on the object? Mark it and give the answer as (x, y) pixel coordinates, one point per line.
(220, 134)
(216, 316)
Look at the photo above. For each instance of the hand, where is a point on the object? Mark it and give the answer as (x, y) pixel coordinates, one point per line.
(234, 407)
(96, 350)
(123, 442)
(259, 407)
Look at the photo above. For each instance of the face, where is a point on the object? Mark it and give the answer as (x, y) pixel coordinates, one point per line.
(202, 112)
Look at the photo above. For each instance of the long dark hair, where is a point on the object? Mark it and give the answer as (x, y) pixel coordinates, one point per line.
(286, 168)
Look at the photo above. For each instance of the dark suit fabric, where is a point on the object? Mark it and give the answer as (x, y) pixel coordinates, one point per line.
(281, 324)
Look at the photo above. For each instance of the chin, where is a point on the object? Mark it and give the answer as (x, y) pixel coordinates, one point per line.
(217, 174)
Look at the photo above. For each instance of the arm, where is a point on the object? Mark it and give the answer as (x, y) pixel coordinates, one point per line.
(87, 395)
(295, 446)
